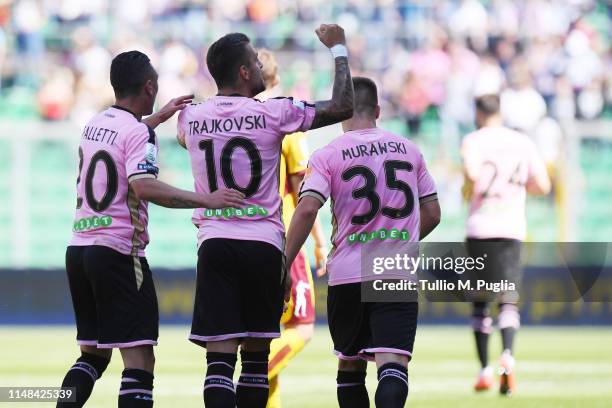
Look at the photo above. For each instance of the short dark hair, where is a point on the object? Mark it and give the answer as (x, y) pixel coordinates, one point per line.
(225, 56)
(129, 72)
(366, 95)
(488, 104)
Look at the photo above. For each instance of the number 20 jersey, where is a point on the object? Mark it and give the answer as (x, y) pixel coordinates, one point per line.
(235, 142)
(375, 180)
(115, 149)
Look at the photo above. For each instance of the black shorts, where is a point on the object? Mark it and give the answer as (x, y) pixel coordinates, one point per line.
(239, 290)
(503, 262)
(113, 296)
(361, 329)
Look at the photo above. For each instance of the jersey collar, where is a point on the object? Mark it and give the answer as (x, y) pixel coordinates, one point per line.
(231, 95)
(124, 109)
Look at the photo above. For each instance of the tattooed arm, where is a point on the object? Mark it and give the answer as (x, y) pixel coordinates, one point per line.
(340, 106)
(160, 193)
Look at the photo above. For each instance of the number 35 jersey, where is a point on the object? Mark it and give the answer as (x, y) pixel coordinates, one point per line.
(115, 150)
(235, 142)
(376, 181)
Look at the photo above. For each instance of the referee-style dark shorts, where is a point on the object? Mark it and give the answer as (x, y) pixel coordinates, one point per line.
(361, 329)
(113, 296)
(239, 290)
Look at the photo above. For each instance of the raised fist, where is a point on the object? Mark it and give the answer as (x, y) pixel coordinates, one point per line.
(331, 34)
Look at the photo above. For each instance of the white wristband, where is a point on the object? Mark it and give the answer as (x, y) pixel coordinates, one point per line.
(339, 50)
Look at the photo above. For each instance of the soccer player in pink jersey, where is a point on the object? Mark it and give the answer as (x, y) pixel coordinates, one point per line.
(381, 193)
(235, 141)
(500, 166)
(110, 281)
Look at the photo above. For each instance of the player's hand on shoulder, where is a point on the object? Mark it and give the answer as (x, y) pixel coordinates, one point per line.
(168, 110)
(175, 105)
(223, 198)
(331, 34)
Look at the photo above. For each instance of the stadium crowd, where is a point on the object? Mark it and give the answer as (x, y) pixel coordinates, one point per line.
(549, 59)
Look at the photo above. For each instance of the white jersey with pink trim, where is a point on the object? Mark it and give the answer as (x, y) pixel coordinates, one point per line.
(499, 162)
(115, 149)
(235, 142)
(375, 180)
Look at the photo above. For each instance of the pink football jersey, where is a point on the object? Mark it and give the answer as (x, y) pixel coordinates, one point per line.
(375, 180)
(115, 149)
(500, 162)
(235, 142)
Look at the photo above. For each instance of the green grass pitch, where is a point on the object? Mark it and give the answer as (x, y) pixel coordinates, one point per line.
(557, 367)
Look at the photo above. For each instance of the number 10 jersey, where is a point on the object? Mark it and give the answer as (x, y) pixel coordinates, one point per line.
(235, 142)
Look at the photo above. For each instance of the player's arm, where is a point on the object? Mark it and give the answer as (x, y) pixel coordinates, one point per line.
(467, 153)
(300, 227)
(321, 251)
(160, 193)
(317, 230)
(539, 185)
(429, 207)
(142, 170)
(538, 182)
(468, 186)
(168, 110)
(430, 215)
(340, 106)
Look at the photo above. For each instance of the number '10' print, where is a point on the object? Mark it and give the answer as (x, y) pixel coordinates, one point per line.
(226, 164)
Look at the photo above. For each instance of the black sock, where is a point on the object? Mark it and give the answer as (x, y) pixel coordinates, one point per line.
(392, 389)
(482, 347)
(136, 389)
(482, 324)
(509, 321)
(351, 391)
(219, 385)
(507, 335)
(253, 388)
(82, 376)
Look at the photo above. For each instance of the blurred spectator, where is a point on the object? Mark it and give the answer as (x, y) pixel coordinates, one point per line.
(55, 96)
(91, 62)
(470, 22)
(414, 101)
(504, 19)
(262, 11)
(456, 115)
(28, 21)
(490, 78)
(547, 62)
(522, 106)
(431, 66)
(584, 72)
